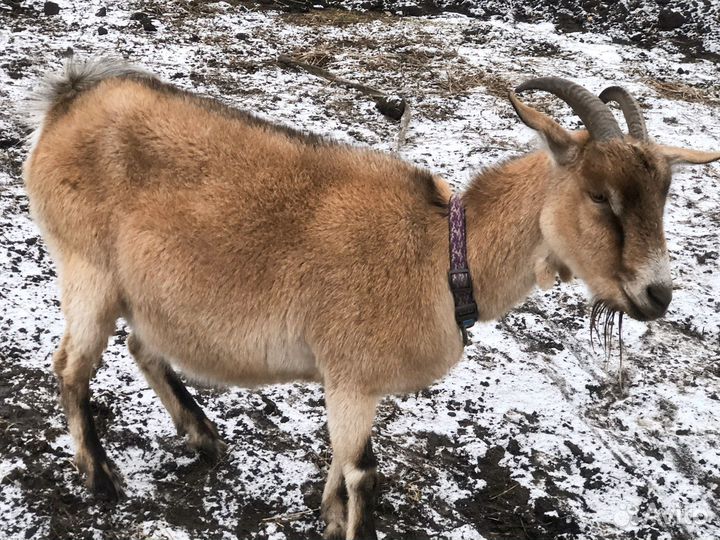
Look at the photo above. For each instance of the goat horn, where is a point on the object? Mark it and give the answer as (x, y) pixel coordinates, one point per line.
(630, 109)
(597, 118)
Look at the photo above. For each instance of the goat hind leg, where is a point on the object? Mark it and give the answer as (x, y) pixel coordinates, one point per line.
(188, 417)
(350, 418)
(89, 308)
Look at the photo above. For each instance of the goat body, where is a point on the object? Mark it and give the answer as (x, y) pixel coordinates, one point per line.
(248, 253)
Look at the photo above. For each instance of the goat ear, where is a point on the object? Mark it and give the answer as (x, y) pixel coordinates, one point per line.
(561, 142)
(676, 155)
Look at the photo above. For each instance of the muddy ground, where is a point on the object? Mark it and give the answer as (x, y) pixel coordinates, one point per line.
(531, 436)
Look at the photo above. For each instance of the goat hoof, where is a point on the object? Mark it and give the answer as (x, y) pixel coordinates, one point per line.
(334, 531)
(210, 450)
(333, 512)
(366, 534)
(105, 483)
(206, 443)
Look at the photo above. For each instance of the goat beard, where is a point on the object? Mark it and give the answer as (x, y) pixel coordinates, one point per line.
(602, 326)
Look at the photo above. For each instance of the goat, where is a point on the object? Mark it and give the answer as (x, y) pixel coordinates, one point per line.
(244, 252)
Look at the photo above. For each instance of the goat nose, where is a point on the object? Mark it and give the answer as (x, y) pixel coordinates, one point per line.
(660, 296)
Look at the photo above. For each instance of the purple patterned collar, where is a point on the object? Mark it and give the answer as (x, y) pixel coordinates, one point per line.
(466, 311)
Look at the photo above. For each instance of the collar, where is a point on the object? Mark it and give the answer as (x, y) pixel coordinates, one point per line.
(466, 311)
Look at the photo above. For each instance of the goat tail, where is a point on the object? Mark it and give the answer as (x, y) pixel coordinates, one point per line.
(76, 77)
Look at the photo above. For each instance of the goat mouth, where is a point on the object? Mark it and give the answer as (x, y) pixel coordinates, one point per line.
(634, 310)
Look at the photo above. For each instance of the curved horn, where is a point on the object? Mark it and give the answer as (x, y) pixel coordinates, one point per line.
(630, 108)
(597, 118)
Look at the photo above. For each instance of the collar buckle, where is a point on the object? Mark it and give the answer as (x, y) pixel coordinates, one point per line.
(466, 310)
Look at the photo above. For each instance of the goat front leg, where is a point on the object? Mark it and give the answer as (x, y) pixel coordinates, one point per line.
(334, 502)
(349, 495)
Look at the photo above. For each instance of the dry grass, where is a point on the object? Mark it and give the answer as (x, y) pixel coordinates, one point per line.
(336, 18)
(683, 92)
(441, 71)
(463, 80)
(392, 62)
(319, 57)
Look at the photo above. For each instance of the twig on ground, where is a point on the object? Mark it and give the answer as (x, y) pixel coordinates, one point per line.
(293, 516)
(325, 74)
(392, 106)
(508, 490)
(522, 523)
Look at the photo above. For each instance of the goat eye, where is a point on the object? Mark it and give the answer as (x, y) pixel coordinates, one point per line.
(598, 198)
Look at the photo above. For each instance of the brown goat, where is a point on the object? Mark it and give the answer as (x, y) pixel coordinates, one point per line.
(248, 253)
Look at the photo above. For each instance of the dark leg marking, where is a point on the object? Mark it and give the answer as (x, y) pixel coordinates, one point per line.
(185, 398)
(367, 458)
(342, 492)
(104, 480)
(205, 427)
(92, 459)
(367, 493)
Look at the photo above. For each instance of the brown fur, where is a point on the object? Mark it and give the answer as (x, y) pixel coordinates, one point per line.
(247, 253)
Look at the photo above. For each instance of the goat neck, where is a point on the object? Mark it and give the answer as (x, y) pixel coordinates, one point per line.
(504, 241)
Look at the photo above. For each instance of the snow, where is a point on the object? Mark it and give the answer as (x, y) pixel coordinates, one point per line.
(638, 462)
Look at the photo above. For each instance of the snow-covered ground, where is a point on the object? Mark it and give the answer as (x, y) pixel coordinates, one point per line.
(529, 437)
